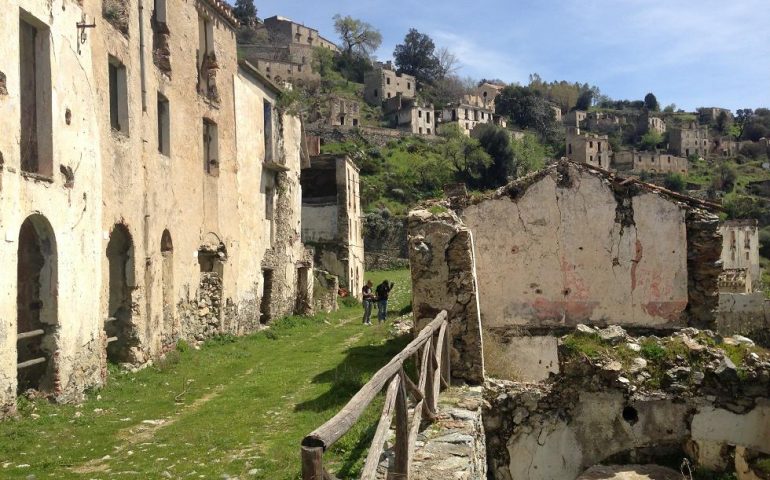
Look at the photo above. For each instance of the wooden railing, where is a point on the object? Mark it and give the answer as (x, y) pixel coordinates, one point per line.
(434, 372)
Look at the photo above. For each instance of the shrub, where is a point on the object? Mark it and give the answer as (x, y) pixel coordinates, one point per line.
(674, 182)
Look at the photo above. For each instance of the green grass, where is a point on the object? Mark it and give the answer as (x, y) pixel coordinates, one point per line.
(236, 405)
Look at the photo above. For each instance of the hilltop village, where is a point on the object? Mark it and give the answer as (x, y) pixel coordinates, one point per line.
(176, 172)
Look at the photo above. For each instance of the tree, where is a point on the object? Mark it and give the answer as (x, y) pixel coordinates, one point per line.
(527, 109)
(447, 61)
(724, 178)
(358, 37)
(246, 13)
(671, 108)
(585, 100)
(742, 118)
(723, 122)
(651, 103)
(465, 154)
(446, 90)
(674, 182)
(416, 56)
(651, 140)
(496, 141)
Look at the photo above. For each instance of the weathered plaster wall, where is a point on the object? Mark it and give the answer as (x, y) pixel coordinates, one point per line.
(320, 222)
(571, 250)
(746, 314)
(73, 213)
(444, 278)
(740, 247)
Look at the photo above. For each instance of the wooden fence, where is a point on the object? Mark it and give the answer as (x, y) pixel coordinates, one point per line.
(434, 372)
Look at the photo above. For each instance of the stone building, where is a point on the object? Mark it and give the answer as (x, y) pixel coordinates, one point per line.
(344, 112)
(689, 140)
(709, 115)
(284, 51)
(725, 147)
(488, 92)
(589, 148)
(740, 249)
(410, 115)
(652, 162)
(133, 215)
(332, 218)
(556, 113)
(383, 83)
(603, 121)
(466, 116)
(575, 118)
(650, 123)
(566, 245)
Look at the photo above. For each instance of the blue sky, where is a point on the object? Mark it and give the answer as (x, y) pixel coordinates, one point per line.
(689, 52)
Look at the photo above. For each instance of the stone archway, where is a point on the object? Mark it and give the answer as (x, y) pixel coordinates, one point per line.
(36, 305)
(119, 325)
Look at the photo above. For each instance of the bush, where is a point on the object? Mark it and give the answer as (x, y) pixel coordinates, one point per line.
(674, 182)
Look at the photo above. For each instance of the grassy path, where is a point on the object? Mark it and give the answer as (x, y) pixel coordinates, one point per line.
(236, 408)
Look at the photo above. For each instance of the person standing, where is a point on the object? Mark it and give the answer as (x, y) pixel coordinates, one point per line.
(368, 300)
(383, 292)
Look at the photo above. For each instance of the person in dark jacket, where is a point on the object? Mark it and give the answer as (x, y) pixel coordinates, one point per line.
(368, 300)
(383, 292)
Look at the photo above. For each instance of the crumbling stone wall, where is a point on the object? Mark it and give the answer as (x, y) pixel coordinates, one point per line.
(704, 248)
(630, 407)
(444, 278)
(745, 314)
(385, 245)
(325, 288)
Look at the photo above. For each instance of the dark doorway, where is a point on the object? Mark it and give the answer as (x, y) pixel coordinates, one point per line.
(267, 296)
(36, 305)
(118, 324)
(169, 324)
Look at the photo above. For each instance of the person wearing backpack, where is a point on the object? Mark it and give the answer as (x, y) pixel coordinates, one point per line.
(367, 300)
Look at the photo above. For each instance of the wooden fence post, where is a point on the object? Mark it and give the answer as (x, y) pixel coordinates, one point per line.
(312, 463)
(401, 467)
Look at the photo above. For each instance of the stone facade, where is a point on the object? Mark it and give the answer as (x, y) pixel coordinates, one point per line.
(575, 118)
(603, 121)
(466, 116)
(134, 216)
(740, 249)
(690, 140)
(707, 115)
(344, 112)
(383, 83)
(651, 123)
(332, 218)
(557, 115)
(488, 92)
(653, 162)
(285, 50)
(410, 115)
(589, 148)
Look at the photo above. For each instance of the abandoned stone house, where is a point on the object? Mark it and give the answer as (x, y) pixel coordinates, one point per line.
(689, 140)
(383, 83)
(332, 218)
(344, 112)
(467, 116)
(284, 51)
(652, 162)
(557, 115)
(725, 146)
(149, 192)
(566, 245)
(590, 148)
(602, 121)
(708, 115)
(650, 123)
(740, 252)
(575, 118)
(410, 115)
(488, 92)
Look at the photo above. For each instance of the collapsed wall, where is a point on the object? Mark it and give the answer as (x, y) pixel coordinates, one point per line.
(622, 400)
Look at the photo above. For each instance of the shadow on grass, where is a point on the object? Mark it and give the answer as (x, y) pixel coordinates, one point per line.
(352, 373)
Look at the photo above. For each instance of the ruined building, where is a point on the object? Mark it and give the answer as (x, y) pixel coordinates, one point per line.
(383, 83)
(590, 148)
(332, 218)
(689, 140)
(283, 50)
(740, 251)
(149, 192)
(410, 115)
(566, 245)
(652, 162)
(575, 118)
(344, 112)
(467, 114)
(488, 92)
(650, 123)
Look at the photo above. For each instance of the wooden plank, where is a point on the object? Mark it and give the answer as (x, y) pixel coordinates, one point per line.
(414, 428)
(30, 334)
(29, 363)
(401, 463)
(412, 388)
(312, 463)
(383, 428)
(331, 431)
(446, 370)
(437, 363)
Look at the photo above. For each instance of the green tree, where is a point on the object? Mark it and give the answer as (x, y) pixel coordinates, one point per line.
(742, 118)
(585, 100)
(671, 108)
(527, 109)
(651, 103)
(724, 178)
(416, 56)
(468, 159)
(651, 140)
(246, 13)
(496, 141)
(674, 182)
(723, 122)
(358, 37)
